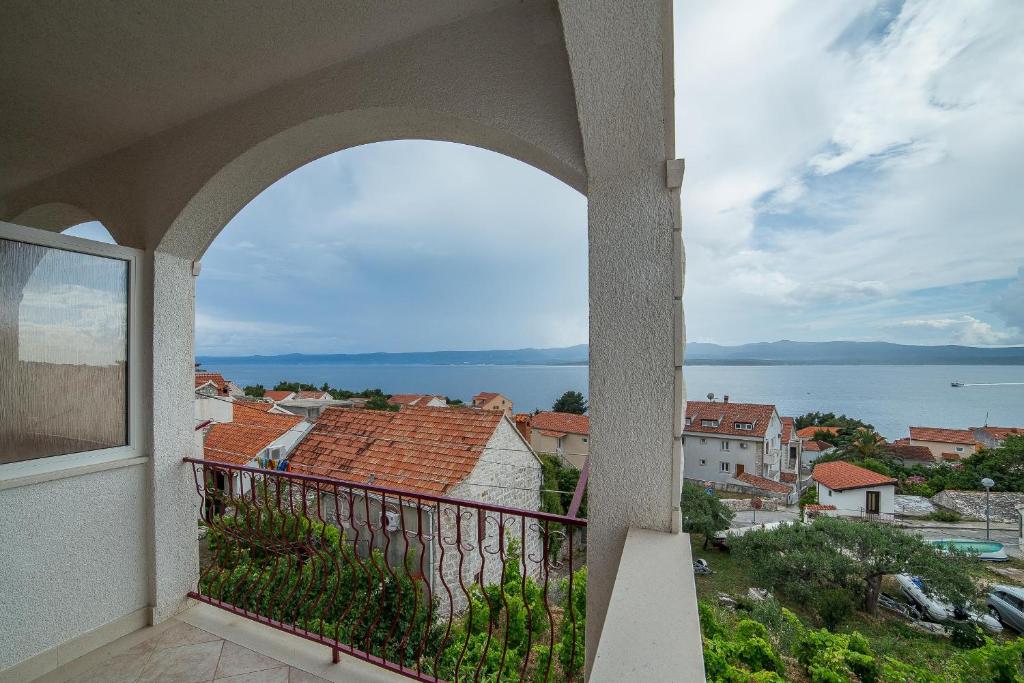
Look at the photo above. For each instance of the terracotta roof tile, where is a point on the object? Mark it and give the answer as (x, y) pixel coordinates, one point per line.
(566, 423)
(1000, 433)
(819, 508)
(787, 429)
(727, 415)
(788, 477)
(412, 399)
(763, 483)
(314, 395)
(809, 432)
(485, 396)
(251, 430)
(906, 451)
(942, 435)
(816, 446)
(215, 377)
(275, 395)
(423, 450)
(840, 476)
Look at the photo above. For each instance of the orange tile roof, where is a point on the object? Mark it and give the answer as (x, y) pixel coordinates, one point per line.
(485, 396)
(312, 394)
(275, 395)
(840, 476)
(215, 377)
(763, 483)
(809, 432)
(728, 414)
(251, 430)
(256, 403)
(1000, 433)
(787, 429)
(412, 399)
(906, 451)
(942, 435)
(423, 450)
(788, 477)
(816, 446)
(566, 423)
(819, 508)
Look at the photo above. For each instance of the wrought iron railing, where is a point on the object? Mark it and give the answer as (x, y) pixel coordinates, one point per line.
(429, 587)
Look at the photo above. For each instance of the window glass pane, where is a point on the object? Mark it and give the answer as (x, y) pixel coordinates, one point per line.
(63, 352)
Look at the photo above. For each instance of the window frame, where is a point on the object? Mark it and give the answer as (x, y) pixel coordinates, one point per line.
(69, 464)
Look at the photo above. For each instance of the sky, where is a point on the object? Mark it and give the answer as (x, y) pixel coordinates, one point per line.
(853, 171)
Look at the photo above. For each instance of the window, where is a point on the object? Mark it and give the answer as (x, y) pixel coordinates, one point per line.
(703, 462)
(959, 449)
(688, 422)
(726, 467)
(746, 426)
(584, 439)
(743, 444)
(65, 347)
(703, 440)
(709, 423)
(725, 445)
(683, 440)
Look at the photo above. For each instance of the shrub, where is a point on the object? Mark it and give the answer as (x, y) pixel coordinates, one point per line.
(947, 516)
(992, 663)
(742, 654)
(966, 635)
(834, 606)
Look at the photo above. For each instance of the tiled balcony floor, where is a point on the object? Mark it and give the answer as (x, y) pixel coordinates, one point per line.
(205, 644)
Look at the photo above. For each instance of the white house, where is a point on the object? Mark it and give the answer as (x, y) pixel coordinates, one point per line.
(462, 453)
(854, 491)
(723, 440)
(812, 449)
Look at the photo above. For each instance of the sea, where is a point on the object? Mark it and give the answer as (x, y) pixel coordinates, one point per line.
(890, 397)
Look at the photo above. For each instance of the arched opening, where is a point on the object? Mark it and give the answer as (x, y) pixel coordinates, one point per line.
(91, 230)
(470, 269)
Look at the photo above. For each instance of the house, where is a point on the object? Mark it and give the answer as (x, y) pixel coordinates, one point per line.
(522, 421)
(993, 437)
(212, 398)
(254, 433)
(489, 400)
(311, 408)
(313, 395)
(277, 395)
(812, 449)
(909, 454)
(418, 400)
(807, 433)
(945, 444)
(454, 452)
(564, 434)
(172, 133)
(855, 491)
(792, 450)
(723, 440)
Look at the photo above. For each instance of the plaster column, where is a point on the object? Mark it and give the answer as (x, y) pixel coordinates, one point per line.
(621, 60)
(175, 503)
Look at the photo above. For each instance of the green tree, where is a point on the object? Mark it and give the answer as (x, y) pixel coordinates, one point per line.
(802, 559)
(378, 402)
(702, 513)
(571, 402)
(256, 390)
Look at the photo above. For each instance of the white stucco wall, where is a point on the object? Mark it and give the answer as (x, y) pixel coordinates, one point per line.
(713, 455)
(73, 558)
(853, 502)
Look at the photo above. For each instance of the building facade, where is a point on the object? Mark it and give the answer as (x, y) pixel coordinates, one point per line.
(945, 444)
(489, 400)
(854, 491)
(724, 439)
(565, 435)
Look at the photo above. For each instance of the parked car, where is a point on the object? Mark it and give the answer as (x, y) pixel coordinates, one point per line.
(1006, 603)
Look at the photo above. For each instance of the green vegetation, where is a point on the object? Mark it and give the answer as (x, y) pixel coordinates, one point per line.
(570, 402)
(802, 560)
(255, 390)
(847, 426)
(381, 403)
(702, 513)
(300, 571)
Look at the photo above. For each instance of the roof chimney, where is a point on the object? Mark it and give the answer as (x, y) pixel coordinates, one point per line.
(725, 399)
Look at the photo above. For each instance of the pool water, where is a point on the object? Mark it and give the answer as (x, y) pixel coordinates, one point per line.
(979, 547)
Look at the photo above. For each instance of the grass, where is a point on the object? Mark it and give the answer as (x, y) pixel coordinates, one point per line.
(888, 634)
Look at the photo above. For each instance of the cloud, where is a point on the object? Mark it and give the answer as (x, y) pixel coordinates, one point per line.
(965, 329)
(1010, 304)
(846, 154)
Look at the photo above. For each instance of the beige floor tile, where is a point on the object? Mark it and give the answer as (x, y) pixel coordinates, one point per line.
(125, 668)
(235, 659)
(300, 676)
(278, 675)
(194, 663)
(183, 634)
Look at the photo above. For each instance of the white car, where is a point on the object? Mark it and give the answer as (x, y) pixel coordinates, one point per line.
(939, 610)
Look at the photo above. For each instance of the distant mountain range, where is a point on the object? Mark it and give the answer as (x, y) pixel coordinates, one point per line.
(762, 353)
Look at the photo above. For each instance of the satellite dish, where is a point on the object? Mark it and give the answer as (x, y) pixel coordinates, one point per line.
(711, 396)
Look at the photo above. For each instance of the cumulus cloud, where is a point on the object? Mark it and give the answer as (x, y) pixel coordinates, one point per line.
(965, 329)
(1010, 304)
(846, 153)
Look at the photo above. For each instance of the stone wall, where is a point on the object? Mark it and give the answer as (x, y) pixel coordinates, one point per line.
(743, 504)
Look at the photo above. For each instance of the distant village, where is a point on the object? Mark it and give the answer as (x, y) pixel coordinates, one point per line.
(486, 451)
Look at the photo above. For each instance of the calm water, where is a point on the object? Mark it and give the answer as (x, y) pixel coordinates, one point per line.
(890, 397)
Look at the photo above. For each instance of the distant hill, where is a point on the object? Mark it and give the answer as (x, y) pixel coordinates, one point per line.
(761, 353)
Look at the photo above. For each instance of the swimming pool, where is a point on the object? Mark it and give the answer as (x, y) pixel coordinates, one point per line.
(985, 550)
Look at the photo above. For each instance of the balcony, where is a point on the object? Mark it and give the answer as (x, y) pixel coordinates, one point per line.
(193, 114)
